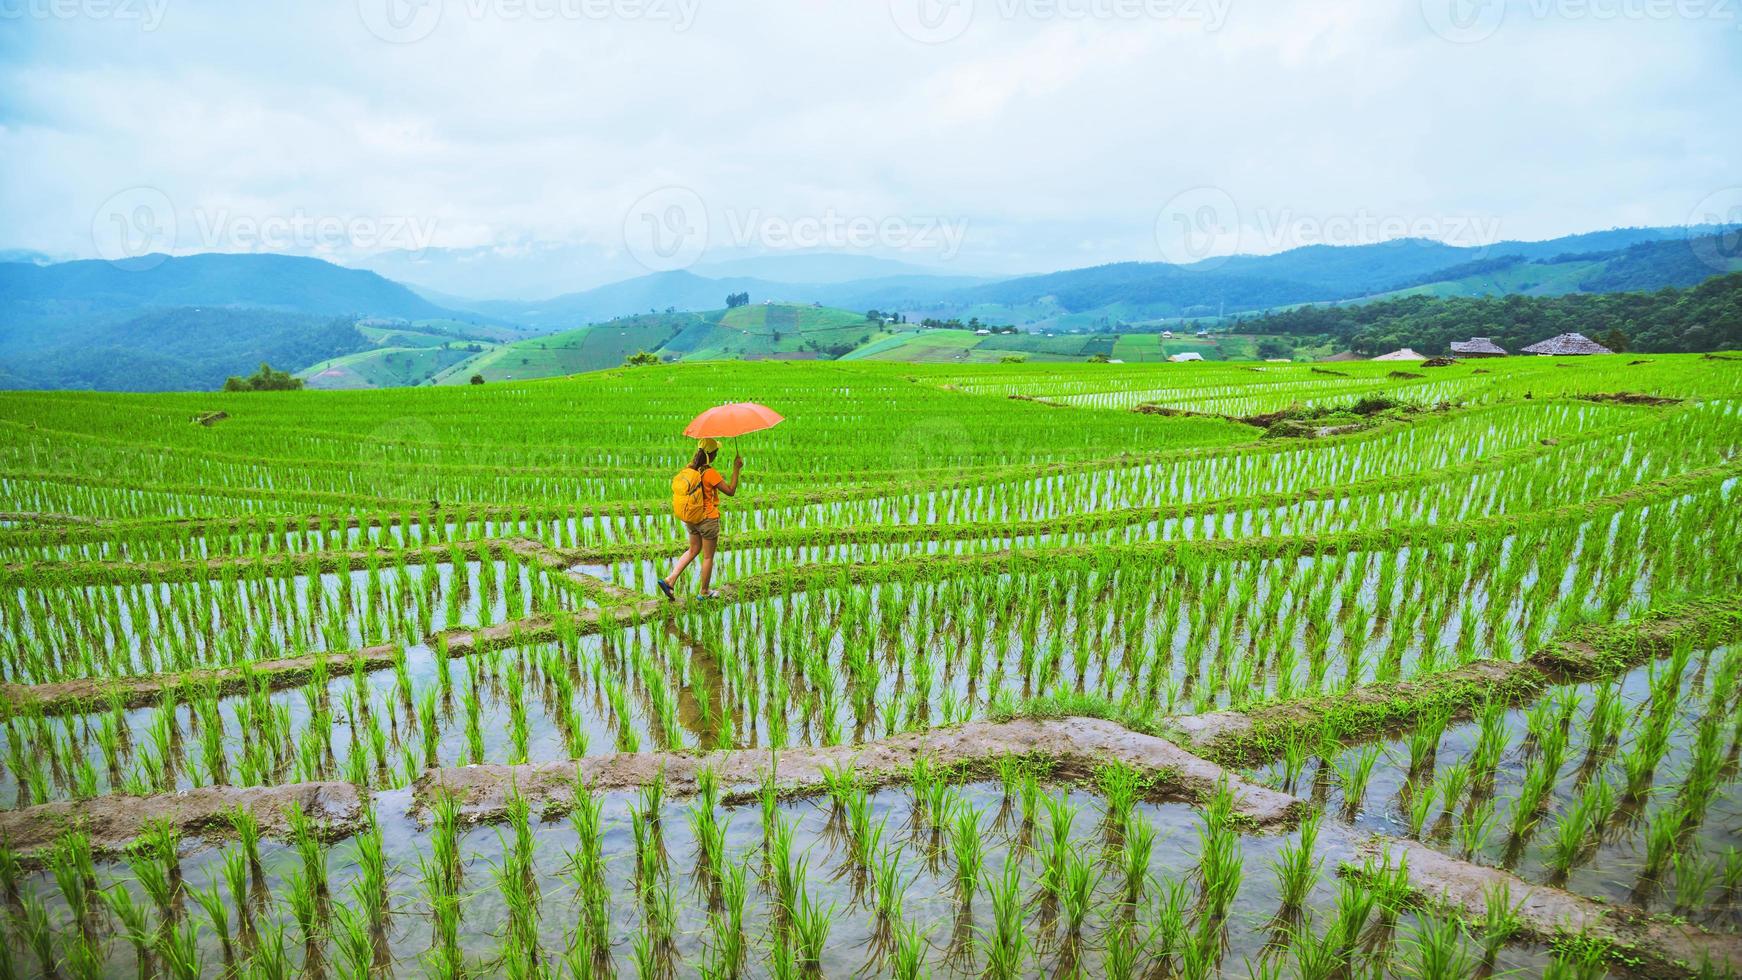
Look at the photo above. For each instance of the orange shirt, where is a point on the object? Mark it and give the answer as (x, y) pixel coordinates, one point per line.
(711, 478)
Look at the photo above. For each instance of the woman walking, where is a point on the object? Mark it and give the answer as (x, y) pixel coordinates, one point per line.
(695, 499)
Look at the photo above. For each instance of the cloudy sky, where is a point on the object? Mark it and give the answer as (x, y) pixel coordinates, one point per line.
(614, 136)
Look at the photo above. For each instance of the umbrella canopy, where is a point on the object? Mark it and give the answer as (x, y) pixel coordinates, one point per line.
(732, 420)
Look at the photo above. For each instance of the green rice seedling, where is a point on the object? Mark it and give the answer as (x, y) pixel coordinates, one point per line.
(1435, 950)
(1075, 891)
(1500, 920)
(810, 926)
(269, 960)
(1139, 844)
(908, 960)
(1421, 806)
(1662, 836)
(247, 830)
(31, 922)
(305, 905)
(728, 946)
(1004, 945)
(212, 899)
(178, 949)
(1473, 830)
(236, 879)
(1730, 878)
(1354, 771)
(1693, 879)
(1060, 815)
(1297, 869)
(356, 947)
(306, 839)
(967, 843)
(132, 919)
(1120, 785)
(1568, 840)
(70, 862)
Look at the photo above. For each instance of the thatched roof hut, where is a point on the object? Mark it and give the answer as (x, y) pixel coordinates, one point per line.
(1401, 354)
(1566, 344)
(1190, 355)
(1341, 356)
(1477, 347)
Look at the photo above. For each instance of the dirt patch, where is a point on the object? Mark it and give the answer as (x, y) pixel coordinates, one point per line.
(1077, 748)
(94, 694)
(1642, 946)
(1334, 374)
(1038, 401)
(1719, 357)
(1631, 398)
(1439, 362)
(113, 822)
(209, 419)
(1406, 375)
(1257, 735)
(1245, 738)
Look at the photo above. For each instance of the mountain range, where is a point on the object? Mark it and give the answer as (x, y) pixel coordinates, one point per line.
(77, 324)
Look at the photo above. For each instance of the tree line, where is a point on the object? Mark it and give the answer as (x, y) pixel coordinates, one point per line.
(1705, 317)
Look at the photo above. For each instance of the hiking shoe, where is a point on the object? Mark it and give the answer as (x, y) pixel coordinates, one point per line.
(710, 594)
(665, 587)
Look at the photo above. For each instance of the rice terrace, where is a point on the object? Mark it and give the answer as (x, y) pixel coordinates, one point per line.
(1101, 670)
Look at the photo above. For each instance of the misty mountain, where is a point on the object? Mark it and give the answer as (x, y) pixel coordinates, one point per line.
(60, 305)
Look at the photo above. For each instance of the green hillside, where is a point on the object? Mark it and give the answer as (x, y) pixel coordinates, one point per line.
(386, 367)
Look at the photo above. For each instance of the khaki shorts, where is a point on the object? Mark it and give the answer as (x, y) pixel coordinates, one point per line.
(707, 528)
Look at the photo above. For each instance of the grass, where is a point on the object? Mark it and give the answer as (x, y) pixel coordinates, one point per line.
(1495, 626)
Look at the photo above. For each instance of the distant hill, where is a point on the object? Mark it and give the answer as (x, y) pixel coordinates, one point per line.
(69, 303)
(1704, 317)
(815, 267)
(183, 349)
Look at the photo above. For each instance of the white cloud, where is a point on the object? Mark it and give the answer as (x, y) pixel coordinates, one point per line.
(1054, 140)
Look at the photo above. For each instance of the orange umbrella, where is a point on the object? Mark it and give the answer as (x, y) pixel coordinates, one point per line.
(732, 420)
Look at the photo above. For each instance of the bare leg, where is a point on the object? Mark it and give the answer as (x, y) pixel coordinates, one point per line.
(684, 562)
(708, 562)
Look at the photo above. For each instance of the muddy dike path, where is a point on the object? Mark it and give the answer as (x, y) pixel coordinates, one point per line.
(1073, 749)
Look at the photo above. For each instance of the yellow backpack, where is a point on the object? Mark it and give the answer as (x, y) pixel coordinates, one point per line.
(686, 495)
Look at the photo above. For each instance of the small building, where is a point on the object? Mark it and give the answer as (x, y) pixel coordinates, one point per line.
(1167, 335)
(1401, 354)
(1341, 356)
(1567, 344)
(1477, 347)
(1203, 333)
(982, 332)
(1190, 355)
